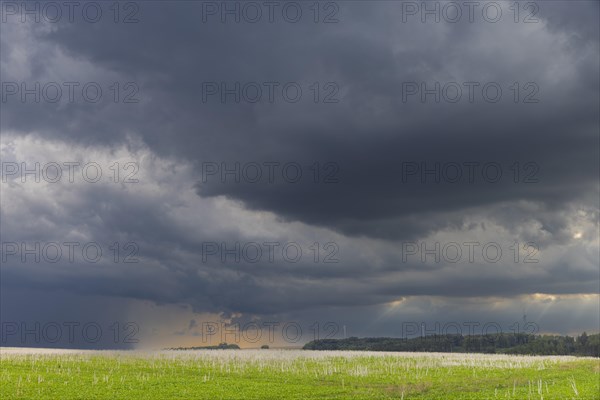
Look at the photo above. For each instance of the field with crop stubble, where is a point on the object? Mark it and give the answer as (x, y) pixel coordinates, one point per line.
(292, 374)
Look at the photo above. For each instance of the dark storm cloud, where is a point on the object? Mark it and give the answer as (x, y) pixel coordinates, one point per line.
(371, 134)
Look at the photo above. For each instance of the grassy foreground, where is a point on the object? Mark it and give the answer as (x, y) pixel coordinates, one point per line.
(285, 374)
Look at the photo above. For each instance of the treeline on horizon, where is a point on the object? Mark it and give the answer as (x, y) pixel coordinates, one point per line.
(501, 343)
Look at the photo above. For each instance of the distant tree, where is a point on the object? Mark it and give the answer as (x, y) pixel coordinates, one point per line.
(226, 346)
(264, 347)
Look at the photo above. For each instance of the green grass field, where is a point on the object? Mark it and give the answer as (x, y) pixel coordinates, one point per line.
(290, 374)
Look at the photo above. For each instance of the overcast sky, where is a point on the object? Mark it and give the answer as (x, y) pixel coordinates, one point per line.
(367, 166)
